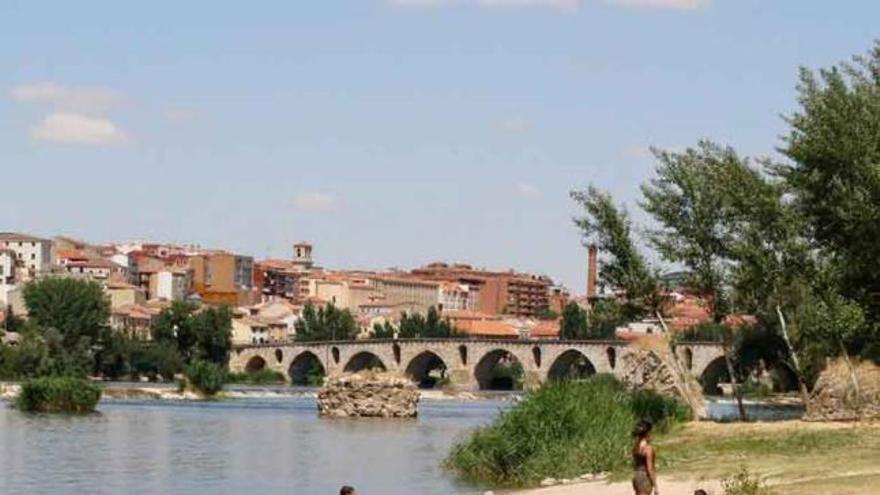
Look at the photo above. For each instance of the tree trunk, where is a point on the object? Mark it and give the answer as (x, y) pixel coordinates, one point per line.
(682, 377)
(737, 390)
(802, 383)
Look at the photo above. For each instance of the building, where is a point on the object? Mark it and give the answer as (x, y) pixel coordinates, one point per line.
(220, 277)
(457, 297)
(124, 294)
(171, 283)
(32, 254)
(135, 320)
(498, 293)
(277, 279)
(7, 266)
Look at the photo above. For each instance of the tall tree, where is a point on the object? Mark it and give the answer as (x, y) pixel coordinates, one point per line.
(75, 308)
(834, 172)
(687, 201)
(609, 226)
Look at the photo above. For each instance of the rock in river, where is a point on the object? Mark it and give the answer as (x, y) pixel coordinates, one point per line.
(368, 394)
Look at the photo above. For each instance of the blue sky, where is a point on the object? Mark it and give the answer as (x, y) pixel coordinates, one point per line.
(389, 133)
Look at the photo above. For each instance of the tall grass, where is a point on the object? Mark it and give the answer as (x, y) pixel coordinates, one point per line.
(563, 430)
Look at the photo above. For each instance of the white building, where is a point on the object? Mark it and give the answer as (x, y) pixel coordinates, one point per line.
(7, 266)
(32, 254)
(172, 284)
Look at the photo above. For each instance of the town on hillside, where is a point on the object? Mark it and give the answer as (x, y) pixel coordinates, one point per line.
(269, 296)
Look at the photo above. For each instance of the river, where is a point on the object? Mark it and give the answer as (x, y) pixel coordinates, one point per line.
(243, 446)
(249, 446)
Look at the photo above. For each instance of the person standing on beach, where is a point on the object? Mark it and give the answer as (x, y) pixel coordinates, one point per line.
(645, 473)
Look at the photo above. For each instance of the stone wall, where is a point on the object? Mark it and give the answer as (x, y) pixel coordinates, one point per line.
(368, 394)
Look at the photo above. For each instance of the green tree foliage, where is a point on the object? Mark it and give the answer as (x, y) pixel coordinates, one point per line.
(609, 227)
(326, 323)
(574, 322)
(686, 200)
(429, 326)
(206, 377)
(383, 331)
(599, 322)
(197, 333)
(77, 309)
(834, 172)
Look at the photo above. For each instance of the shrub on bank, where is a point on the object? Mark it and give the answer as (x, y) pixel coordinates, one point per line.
(205, 377)
(563, 430)
(660, 410)
(54, 394)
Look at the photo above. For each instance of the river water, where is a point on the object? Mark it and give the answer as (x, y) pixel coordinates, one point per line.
(250, 446)
(245, 446)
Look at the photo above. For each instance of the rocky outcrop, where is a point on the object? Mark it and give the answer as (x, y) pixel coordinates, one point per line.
(834, 396)
(368, 394)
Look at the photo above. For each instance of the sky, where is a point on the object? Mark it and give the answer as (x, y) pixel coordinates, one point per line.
(390, 133)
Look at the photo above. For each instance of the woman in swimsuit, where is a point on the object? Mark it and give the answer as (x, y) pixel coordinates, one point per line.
(645, 475)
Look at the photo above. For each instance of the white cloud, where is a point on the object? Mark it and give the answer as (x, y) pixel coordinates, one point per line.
(73, 128)
(515, 124)
(560, 5)
(316, 202)
(178, 114)
(85, 99)
(662, 4)
(528, 191)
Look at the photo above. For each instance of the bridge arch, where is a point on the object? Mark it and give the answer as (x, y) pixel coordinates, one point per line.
(571, 365)
(713, 374)
(254, 364)
(499, 369)
(364, 360)
(306, 369)
(426, 369)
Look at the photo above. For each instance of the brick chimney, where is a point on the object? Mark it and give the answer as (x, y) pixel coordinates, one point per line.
(592, 271)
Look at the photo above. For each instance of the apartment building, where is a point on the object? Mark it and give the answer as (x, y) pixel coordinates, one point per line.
(33, 255)
(508, 293)
(220, 277)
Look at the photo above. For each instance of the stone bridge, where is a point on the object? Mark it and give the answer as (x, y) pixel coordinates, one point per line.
(468, 364)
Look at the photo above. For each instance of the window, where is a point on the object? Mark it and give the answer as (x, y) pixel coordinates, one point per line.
(33, 256)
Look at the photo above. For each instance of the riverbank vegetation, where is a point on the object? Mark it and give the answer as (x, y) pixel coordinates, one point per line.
(58, 394)
(790, 241)
(563, 430)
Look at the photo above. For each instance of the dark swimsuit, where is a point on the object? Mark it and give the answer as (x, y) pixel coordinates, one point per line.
(641, 481)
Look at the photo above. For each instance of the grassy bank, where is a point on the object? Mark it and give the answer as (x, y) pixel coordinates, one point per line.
(793, 456)
(563, 430)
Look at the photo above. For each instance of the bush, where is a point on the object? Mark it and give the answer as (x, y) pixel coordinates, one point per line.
(58, 395)
(206, 378)
(660, 410)
(563, 430)
(743, 483)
